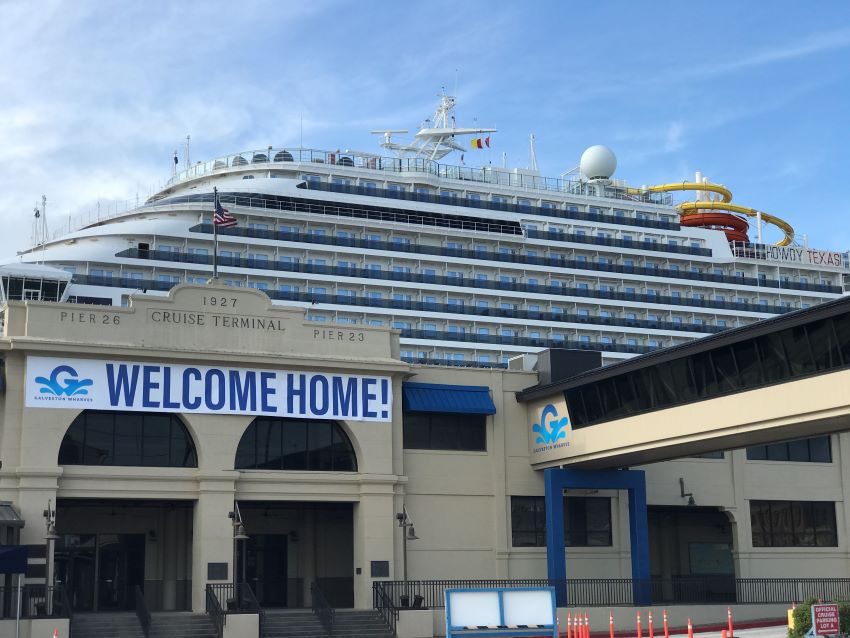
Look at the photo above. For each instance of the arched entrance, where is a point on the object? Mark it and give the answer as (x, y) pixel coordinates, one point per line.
(295, 542)
(107, 547)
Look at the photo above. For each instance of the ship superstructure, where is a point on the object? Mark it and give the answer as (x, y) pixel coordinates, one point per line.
(473, 265)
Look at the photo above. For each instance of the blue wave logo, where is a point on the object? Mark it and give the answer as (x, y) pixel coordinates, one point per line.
(64, 381)
(555, 429)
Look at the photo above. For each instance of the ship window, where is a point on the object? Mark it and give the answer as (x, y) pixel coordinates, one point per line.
(295, 444)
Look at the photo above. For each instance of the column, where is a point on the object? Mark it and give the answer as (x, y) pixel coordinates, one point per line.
(212, 531)
(374, 532)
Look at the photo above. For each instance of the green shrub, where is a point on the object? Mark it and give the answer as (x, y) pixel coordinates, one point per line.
(802, 618)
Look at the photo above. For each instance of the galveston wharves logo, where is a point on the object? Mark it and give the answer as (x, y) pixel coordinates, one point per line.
(550, 431)
(65, 385)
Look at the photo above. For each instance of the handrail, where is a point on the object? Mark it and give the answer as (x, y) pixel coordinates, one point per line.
(65, 609)
(142, 612)
(383, 602)
(322, 608)
(215, 611)
(248, 602)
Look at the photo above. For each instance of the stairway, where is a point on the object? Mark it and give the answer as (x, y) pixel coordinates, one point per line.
(180, 624)
(106, 625)
(360, 623)
(177, 624)
(302, 623)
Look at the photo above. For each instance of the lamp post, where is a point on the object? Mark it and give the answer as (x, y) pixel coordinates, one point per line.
(49, 538)
(238, 535)
(407, 534)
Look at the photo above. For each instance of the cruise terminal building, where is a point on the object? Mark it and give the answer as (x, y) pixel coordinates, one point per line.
(207, 437)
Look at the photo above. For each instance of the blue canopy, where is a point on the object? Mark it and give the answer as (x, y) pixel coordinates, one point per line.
(455, 399)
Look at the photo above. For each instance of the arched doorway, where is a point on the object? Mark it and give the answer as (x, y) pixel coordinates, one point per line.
(295, 542)
(109, 546)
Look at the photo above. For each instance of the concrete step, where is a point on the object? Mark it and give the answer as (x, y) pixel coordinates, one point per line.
(106, 625)
(302, 623)
(181, 625)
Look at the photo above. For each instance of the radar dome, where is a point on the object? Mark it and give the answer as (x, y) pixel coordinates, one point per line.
(598, 162)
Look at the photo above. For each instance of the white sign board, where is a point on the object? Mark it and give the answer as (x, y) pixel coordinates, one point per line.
(522, 611)
(163, 387)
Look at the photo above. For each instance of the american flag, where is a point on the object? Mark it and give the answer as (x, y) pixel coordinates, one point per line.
(221, 217)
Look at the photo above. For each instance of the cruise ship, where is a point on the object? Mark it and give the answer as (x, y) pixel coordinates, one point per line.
(474, 265)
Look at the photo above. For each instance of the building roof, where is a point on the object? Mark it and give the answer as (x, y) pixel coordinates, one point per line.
(766, 326)
(9, 516)
(41, 271)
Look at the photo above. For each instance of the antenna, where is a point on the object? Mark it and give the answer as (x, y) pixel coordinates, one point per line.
(176, 161)
(532, 153)
(188, 137)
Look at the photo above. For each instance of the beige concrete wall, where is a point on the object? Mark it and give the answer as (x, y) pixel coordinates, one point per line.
(459, 501)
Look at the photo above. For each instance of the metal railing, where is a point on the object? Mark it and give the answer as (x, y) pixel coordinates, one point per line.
(215, 610)
(322, 608)
(386, 275)
(383, 601)
(483, 204)
(36, 601)
(513, 256)
(142, 612)
(389, 596)
(487, 175)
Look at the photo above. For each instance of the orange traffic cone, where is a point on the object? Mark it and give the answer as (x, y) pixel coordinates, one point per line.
(690, 629)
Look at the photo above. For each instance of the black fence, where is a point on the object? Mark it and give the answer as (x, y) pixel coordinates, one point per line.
(391, 596)
(36, 601)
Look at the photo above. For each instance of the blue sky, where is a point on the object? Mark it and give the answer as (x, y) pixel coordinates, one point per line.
(96, 95)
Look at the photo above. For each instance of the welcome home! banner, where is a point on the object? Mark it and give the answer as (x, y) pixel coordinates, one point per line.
(161, 387)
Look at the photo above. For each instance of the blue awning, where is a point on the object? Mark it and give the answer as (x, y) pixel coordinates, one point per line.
(13, 559)
(454, 399)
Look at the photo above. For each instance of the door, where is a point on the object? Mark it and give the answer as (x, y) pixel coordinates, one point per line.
(121, 567)
(75, 558)
(266, 568)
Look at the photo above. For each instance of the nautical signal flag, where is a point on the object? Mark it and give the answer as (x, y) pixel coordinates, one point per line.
(478, 142)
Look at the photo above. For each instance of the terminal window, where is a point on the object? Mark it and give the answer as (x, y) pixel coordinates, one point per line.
(295, 444)
(128, 439)
(793, 524)
(814, 450)
(587, 521)
(444, 431)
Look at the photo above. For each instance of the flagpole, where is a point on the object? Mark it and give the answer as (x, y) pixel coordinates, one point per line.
(215, 234)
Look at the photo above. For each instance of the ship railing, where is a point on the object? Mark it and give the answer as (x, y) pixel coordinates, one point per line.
(251, 160)
(516, 257)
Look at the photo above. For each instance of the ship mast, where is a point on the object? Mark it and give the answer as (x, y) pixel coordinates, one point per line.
(436, 138)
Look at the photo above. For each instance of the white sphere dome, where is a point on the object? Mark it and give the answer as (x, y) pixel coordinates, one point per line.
(598, 162)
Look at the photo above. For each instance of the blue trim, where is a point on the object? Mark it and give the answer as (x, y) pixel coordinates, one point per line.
(556, 480)
(451, 399)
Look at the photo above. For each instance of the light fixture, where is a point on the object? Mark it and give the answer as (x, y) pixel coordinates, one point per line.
(407, 534)
(239, 535)
(51, 532)
(684, 494)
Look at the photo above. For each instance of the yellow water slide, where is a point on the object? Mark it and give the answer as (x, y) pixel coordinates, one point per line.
(693, 208)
